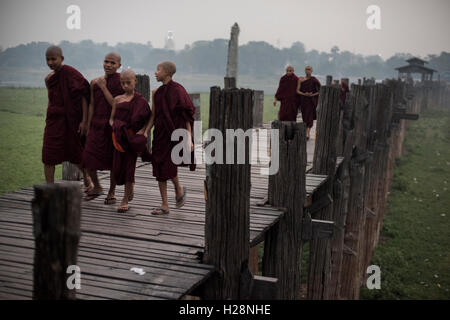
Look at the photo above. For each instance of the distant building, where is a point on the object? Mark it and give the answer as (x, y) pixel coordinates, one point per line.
(415, 65)
(170, 42)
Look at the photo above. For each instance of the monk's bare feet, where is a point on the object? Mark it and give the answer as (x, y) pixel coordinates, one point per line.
(124, 207)
(88, 188)
(180, 197)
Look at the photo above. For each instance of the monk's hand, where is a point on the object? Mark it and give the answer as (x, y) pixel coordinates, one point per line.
(101, 82)
(111, 122)
(82, 128)
(274, 103)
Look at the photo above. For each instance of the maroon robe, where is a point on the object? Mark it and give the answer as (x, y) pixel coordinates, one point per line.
(287, 95)
(98, 150)
(173, 108)
(66, 88)
(343, 94)
(129, 118)
(308, 105)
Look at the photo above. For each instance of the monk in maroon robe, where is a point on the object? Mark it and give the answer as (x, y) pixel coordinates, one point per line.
(66, 121)
(172, 109)
(344, 89)
(129, 117)
(287, 95)
(308, 89)
(98, 151)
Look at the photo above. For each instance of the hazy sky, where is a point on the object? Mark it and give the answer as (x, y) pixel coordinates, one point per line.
(415, 26)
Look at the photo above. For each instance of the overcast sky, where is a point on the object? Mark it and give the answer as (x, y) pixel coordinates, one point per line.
(415, 26)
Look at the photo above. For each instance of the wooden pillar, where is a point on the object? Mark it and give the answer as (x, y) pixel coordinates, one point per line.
(56, 226)
(324, 163)
(283, 242)
(195, 97)
(258, 110)
(329, 80)
(350, 280)
(70, 172)
(227, 234)
(341, 189)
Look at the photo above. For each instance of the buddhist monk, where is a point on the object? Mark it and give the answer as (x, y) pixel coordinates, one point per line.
(66, 120)
(287, 95)
(344, 89)
(129, 117)
(172, 109)
(308, 89)
(98, 151)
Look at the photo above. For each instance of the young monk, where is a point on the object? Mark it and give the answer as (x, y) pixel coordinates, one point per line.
(98, 151)
(66, 121)
(308, 89)
(172, 109)
(129, 117)
(287, 95)
(344, 89)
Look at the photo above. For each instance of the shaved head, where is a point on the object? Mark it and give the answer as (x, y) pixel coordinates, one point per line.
(169, 66)
(54, 50)
(115, 56)
(128, 73)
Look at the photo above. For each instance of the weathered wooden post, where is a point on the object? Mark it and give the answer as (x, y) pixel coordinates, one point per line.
(350, 280)
(329, 80)
(283, 242)
(70, 172)
(258, 109)
(230, 80)
(227, 222)
(56, 226)
(143, 85)
(341, 189)
(195, 97)
(324, 163)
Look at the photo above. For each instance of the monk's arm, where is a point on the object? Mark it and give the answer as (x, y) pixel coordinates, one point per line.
(299, 83)
(106, 93)
(113, 111)
(189, 129)
(90, 108)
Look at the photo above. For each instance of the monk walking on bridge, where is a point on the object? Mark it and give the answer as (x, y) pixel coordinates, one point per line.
(66, 121)
(308, 89)
(172, 109)
(287, 95)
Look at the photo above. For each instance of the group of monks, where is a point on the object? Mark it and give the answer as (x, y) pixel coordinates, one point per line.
(301, 93)
(104, 125)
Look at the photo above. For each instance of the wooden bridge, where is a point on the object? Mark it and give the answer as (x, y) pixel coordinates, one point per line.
(171, 249)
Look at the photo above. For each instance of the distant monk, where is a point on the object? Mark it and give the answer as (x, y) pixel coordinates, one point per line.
(309, 91)
(98, 152)
(129, 117)
(172, 109)
(344, 89)
(66, 121)
(287, 95)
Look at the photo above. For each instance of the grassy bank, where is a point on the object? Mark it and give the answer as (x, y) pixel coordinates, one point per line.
(413, 252)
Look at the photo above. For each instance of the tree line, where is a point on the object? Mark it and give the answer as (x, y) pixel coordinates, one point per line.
(256, 58)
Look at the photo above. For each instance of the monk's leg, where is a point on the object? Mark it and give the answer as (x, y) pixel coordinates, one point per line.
(124, 203)
(178, 187)
(87, 181)
(112, 186)
(163, 190)
(49, 173)
(97, 188)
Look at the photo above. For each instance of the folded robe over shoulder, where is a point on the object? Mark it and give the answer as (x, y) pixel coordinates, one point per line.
(129, 118)
(308, 105)
(98, 150)
(173, 108)
(287, 95)
(66, 88)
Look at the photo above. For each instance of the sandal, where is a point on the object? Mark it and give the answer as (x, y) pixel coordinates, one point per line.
(159, 211)
(123, 208)
(92, 196)
(110, 200)
(181, 200)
